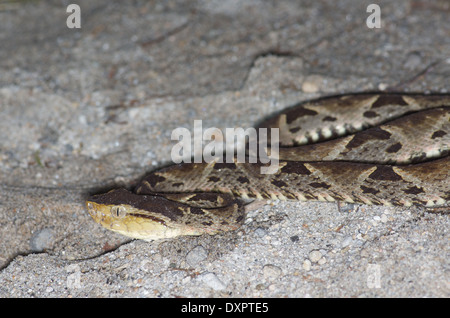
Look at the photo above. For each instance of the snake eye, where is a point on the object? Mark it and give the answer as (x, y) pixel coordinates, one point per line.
(118, 211)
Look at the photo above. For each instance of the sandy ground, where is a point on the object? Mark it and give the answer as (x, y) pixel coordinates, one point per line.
(93, 108)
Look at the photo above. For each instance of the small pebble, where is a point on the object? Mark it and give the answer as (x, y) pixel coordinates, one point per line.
(271, 272)
(72, 268)
(382, 86)
(106, 97)
(347, 241)
(146, 265)
(345, 207)
(196, 255)
(307, 265)
(315, 256)
(413, 60)
(260, 232)
(312, 84)
(212, 281)
(42, 240)
(186, 280)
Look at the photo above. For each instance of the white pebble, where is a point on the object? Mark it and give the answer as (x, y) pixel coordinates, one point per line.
(196, 255)
(312, 84)
(347, 241)
(42, 240)
(271, 272)
(260, 232)
(315, 256)
(382, 86)
(307, 265)
(212, 281)
(186, 280)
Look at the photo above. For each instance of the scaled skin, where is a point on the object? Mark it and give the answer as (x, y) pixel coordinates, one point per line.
(132, 226)
(153, 217)
(134, 222)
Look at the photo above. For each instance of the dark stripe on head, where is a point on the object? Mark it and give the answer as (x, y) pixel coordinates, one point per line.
(154, 204)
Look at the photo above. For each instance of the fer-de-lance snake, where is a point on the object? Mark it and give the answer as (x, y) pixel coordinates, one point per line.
(369, 148)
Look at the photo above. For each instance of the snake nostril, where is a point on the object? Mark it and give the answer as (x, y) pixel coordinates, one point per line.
(91, 210)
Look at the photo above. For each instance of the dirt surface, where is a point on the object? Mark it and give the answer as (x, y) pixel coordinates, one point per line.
(90, 109)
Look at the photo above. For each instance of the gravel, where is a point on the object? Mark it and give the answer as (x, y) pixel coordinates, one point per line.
(84, 111)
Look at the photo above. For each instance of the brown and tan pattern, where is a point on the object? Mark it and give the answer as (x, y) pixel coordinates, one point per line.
(386, 149)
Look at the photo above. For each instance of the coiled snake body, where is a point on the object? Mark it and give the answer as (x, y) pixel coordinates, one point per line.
(385, 149)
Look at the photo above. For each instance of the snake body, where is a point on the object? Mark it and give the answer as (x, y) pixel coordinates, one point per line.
(384, 149)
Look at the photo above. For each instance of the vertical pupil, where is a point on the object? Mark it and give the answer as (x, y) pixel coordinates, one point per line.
(117, 211)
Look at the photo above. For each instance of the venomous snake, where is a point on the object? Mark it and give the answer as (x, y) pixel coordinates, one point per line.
(369, 148)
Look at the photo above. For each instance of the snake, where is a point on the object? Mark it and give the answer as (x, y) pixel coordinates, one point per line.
(387, 149)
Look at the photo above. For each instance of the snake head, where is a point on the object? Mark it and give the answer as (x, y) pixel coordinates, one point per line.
(152, 217)
(138, 216)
